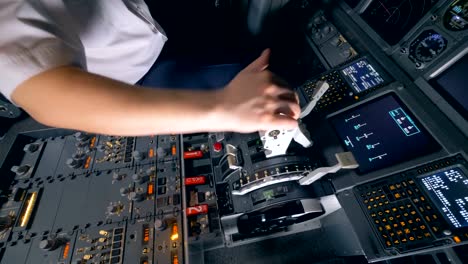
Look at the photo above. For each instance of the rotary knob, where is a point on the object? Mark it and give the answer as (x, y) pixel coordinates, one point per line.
(160, 224)
(124, 191)
(80, 136)
(326, 29)
(138, 156)
(336, 41)
(74, 164)
(21, 170)
(139, 178)
(137, 196)
(118, 176)
(31, 148)
(78, 156)
(51, 243)
(113, 209)
(101, 148)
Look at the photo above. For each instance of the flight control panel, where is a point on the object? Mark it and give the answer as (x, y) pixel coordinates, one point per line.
(377, 167)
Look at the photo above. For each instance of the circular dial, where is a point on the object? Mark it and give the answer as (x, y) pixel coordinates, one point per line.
(456, 16)
(427, 46)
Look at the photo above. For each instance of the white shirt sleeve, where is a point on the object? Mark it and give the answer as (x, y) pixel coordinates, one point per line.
(30, 43)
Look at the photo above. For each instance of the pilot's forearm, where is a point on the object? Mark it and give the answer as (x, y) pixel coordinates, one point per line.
(70, 98)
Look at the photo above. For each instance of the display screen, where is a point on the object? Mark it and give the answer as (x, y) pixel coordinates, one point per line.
(361, 75)
(381, 133)
(456, 16)
(451, 84)
(449, 192)
(393, 19)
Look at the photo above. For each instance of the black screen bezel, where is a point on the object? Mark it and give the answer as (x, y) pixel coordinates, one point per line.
(446, 95)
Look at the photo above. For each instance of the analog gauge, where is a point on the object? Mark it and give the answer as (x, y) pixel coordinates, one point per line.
(456, 16)
(427, 46)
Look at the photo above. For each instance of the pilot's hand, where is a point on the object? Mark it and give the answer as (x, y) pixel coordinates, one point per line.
(257, 100)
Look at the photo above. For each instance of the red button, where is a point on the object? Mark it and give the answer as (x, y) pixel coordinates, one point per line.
(217, 147)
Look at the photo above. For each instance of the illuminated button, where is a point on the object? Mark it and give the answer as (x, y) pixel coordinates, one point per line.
(404, 240)
(373, 215)
(418, 219)
(217, 147)
(371, 200)
(434, 217)
(397, 196)
(388, 227)
(410, 221)
(404, 184)
(392, 187)
(369, 207)
(411, 182)
(386, 202)
(398, 216)
(428, 219)
(427, 234)
(405, 214)
(396, 242)
(394, 209)
(380, 213)
(175, 232)
(422, 227)
(377, 221)
(409, 192)
(422, 198)
(399, 232)
(402, 223)
(415, 200)
(398, 186)
(413, 212)
(384, 220)
(411, 238)
(382, 196)
(380, 204)
(388, 243)
(456, 239)
(402, 207)
(435, 229)
(366, 201)
(407, 230)
(428, 207)
(395, 225)
(380, 228)
(377, 198)
(387, 211)
(391, 218)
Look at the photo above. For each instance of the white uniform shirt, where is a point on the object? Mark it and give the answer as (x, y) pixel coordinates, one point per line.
(114, 38)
